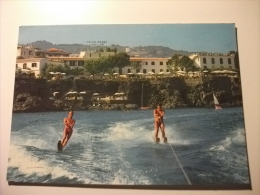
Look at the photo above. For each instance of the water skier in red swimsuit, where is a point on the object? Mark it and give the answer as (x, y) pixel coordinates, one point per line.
(69, 122)
(158, 123)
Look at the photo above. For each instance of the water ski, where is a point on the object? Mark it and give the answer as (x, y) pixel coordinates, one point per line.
(59, 146)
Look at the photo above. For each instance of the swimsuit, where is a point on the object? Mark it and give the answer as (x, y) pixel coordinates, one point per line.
(160, 121)
(68, 129)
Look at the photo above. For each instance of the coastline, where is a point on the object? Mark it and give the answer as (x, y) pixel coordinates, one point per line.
(36, 95)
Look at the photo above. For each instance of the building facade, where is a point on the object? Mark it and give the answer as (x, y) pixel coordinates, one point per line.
(87, 55)
(147, 65)
(25, 52)
(53, 52)
(214, 61)
(31, 65)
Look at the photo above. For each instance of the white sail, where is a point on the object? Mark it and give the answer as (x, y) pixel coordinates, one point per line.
(217, 105)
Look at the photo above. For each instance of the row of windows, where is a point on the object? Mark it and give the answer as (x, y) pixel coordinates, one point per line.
(34, 65)
(73, 63)
(145, 71)
(153, 63)
(213, 60)
(220, 67)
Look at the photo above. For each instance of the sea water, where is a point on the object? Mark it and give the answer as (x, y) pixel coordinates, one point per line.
(117, 148)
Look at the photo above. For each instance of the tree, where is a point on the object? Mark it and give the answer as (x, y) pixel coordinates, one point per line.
(173, 64)
(136, 65)
(55, 68)
(187, 64)
(178, 62)
(76, 71)
(121, 60)
(106, 64)
(92, 66)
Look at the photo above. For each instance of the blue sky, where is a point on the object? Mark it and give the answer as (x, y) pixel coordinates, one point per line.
(189, 37)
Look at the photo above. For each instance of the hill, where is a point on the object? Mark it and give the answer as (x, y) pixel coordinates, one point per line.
(140, 51)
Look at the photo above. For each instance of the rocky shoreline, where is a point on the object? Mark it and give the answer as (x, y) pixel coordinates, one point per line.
(36, 95)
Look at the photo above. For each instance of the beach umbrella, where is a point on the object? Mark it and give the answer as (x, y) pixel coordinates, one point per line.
(216, 72)
(161, 73)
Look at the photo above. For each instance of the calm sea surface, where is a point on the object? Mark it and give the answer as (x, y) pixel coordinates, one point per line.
(116, 147)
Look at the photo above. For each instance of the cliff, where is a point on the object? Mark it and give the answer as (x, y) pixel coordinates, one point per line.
(33, 95)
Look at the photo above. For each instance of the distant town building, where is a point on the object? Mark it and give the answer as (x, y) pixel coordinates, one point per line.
(25, 51)
(213, 61)
(31, 65)
(53, 52)
(128, 49)
(86, 55)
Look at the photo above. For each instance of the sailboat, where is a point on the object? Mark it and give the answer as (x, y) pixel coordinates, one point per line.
(142, 99)
(217, 105)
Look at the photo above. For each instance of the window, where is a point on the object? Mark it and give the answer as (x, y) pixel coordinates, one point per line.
(72, 63)
(146, 63)
(90, 55)
(221, 60)
(153, 70)
(161, 70)
(212, 60)
(138, 70)
(205, 67)
(80, 63)
(16, 66)
(204, 61)
(153, 63)
(167, 70)
(24, 66)
(128, 70)
(144, 71)
(161, 63)
(34, 65)
(229, 60)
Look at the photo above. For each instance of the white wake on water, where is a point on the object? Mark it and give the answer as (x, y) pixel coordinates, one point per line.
(238, 137)
(28, 164)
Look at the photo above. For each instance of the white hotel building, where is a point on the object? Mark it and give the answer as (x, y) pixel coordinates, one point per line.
(148, 65)
(155, 65)
(213, 61)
